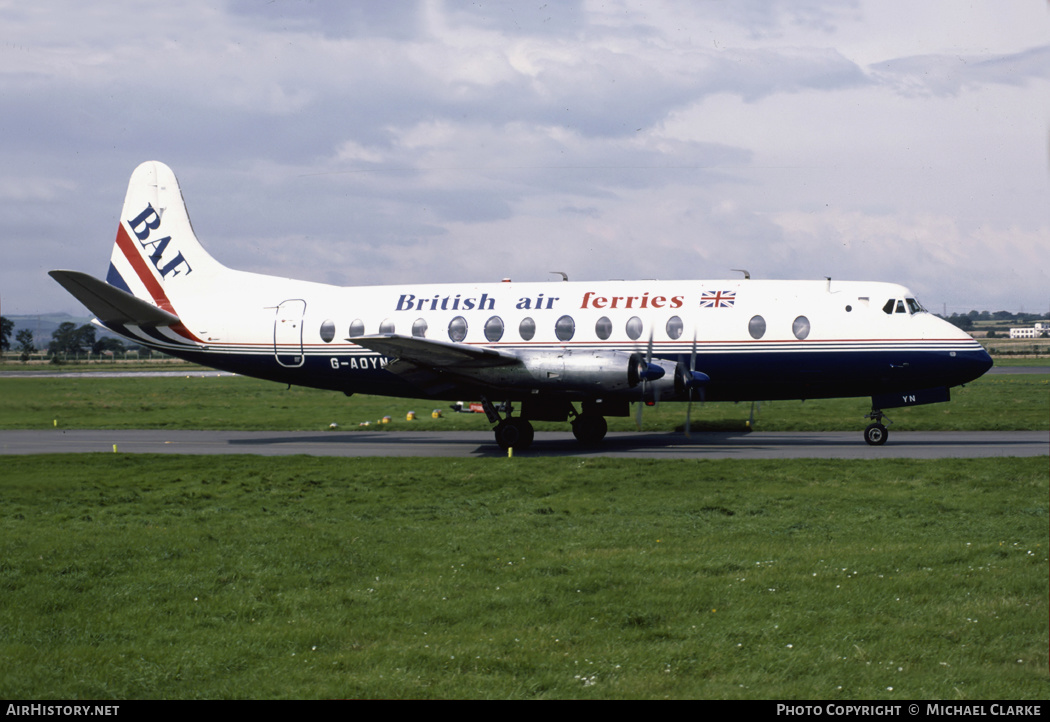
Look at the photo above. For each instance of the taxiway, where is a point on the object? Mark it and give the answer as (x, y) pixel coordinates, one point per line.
(464, 444)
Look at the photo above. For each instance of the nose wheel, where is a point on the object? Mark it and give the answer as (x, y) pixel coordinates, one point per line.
(876, 433)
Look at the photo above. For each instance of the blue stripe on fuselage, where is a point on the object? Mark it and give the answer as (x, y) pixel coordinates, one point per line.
(734, 376)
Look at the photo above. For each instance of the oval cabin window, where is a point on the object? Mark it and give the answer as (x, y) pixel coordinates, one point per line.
(603, 328)
(494, 329)
(800, 327)
(756, 327)
(674, 328)
(457, 329)
(328, 331)
(634, 328)
(527, 329)
(565, 328)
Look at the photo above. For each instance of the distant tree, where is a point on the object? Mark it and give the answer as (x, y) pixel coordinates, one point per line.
(7, 326)
(963, 322)
(69, 339)
(992, 334)
(25, 343)
(108, 343)
(1003, 316)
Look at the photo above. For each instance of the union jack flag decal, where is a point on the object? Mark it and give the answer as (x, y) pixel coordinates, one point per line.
(717, 299)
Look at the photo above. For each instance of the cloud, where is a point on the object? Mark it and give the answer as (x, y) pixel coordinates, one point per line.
(954, 74)
(373, 142)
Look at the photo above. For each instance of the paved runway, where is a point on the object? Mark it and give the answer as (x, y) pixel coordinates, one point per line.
(710, 445)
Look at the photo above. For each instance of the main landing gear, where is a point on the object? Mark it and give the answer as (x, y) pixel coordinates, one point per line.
(589, 428)
(511, 432)
(516, 432)
(876, 434)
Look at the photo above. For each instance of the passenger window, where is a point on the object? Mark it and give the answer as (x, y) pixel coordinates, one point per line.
(457, 329)
(603, 328)
(756, 327)
(565, 328)
(357, 328)
(674, 328)
(419, 328)
(387, 326)
(527, 329)
(634, 328)
(328, 331)
(494, 329)
(800, 327)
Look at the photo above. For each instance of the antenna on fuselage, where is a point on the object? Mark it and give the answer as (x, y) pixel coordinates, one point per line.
(563, 274)
(747, 274)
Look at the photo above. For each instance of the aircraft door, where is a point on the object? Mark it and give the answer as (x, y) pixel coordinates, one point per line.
(288, 333)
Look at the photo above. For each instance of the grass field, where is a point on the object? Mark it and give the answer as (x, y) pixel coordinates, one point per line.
(134, 576)
(992, 402)
(137, 576)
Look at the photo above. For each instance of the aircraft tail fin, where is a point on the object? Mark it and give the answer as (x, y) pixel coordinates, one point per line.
(157, 257)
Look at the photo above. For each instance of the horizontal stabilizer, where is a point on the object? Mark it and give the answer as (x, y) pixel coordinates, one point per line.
(110, 304)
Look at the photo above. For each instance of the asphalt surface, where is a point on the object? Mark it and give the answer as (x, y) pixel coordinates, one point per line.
(709, 445)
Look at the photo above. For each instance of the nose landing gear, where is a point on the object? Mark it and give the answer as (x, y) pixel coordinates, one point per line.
(876, 433)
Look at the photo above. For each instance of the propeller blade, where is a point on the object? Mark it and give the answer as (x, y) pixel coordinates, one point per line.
(688, 388)
(647, 373)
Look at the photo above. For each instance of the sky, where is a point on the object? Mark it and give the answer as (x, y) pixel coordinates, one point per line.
(409, 142)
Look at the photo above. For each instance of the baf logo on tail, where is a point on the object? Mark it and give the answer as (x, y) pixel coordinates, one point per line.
(142, 226)
(525, 350)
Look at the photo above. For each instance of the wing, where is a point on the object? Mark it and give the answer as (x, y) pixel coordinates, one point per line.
(434, 354)
(435, 366)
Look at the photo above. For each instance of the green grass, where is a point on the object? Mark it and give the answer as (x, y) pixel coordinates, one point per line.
(136, 576)
(992, 402)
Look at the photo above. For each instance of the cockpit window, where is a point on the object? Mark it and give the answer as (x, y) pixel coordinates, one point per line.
(908, 306)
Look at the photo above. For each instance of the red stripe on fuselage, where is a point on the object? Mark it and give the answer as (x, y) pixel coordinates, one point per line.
(142, 270)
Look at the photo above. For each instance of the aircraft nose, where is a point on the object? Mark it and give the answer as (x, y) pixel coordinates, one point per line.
(973, 364)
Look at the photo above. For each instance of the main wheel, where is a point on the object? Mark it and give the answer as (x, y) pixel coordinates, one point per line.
(876, 434)
(514, 433)
(589, 429)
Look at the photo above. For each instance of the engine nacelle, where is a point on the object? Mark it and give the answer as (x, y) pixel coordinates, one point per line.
(604, 372)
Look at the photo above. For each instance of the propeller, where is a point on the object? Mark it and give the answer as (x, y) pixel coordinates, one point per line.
(688, 380)
(645, 372)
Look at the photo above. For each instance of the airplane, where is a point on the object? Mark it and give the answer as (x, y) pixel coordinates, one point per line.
(560, 350)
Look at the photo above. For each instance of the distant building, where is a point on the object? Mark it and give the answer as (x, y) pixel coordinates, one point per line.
(1036, 332)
